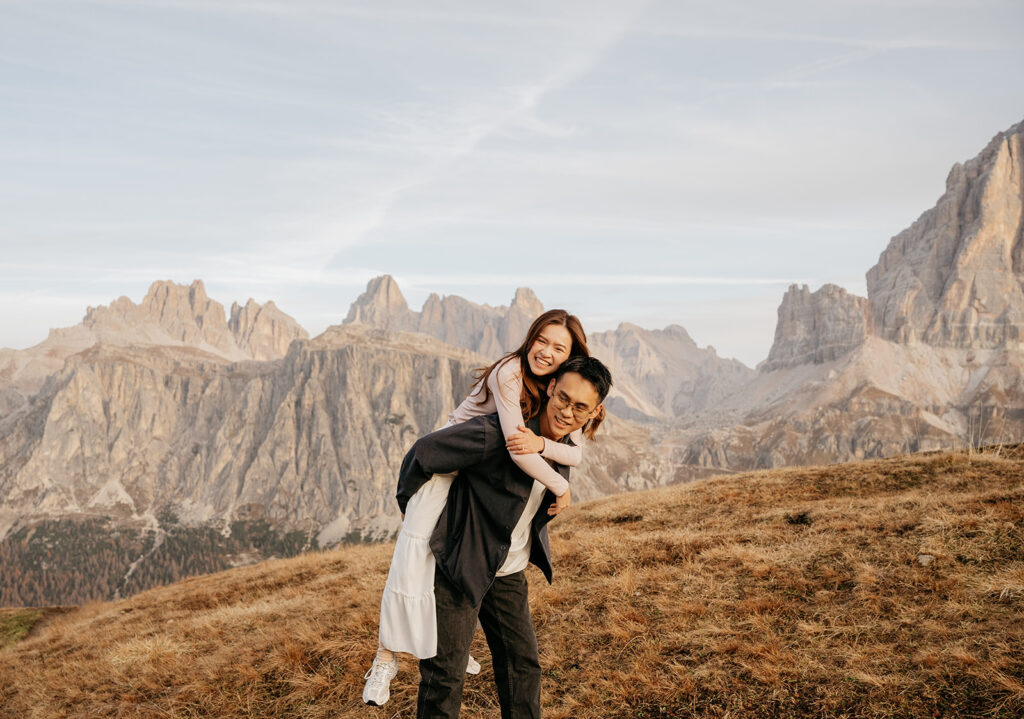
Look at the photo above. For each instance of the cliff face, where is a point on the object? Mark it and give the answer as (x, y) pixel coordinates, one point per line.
(932, 359)
(263, 332)
(198, 463)
(663, 374)
(171, 315)
(311, 441)
(659, 374)
(383, 305)
(816, 327)
(955, 278)
(489, 331)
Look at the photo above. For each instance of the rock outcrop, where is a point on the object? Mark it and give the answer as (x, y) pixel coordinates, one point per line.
(170, 314)
(933, 359)
(489, 331)
(659, 374)
(816, 327)
(312, 441)
(663, 374)
(955, 278)
(383, 305)
(184, 315)
(263, 332)
(881, 399)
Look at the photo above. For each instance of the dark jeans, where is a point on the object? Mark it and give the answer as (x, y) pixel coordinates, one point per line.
(505, 618)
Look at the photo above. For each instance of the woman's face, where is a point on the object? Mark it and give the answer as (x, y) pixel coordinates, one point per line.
(549, 350)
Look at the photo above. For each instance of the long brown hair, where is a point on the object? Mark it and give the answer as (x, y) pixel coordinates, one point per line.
(533, 386)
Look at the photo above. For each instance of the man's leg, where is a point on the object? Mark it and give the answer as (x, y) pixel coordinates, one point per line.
(505, 616)
(442, 676)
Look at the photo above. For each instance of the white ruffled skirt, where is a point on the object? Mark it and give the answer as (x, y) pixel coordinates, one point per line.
(408, 622)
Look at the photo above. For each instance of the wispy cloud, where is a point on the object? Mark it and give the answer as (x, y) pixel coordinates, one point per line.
(463, 132)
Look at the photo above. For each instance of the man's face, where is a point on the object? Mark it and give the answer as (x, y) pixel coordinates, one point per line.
(572, 401)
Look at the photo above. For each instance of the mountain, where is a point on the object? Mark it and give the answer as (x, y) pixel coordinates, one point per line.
(816, 327)
(663, 374)
(660, 375)
(884, 588)
(932, 358)
(167, 446)
(170, 314)
(165, 439)
(488, 331)
(955, 278)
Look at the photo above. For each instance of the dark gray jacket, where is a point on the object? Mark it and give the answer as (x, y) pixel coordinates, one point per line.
(486, 500)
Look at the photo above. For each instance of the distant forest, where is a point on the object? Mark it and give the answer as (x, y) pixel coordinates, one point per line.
(74, 561)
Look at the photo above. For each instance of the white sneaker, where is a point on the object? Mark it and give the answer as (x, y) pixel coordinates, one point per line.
(378, 682)
(472, 666)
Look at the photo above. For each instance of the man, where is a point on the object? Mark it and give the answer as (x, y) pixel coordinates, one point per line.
(493, 525)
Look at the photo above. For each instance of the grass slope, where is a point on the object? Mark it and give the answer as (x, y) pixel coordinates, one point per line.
(791, 593)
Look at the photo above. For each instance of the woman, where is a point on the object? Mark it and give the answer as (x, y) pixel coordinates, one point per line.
(512, 387)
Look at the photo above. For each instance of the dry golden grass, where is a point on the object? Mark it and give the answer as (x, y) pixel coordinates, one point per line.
(792, 593)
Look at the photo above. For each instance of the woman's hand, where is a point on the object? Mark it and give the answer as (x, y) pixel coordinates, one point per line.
(525, 442)
(560, 503)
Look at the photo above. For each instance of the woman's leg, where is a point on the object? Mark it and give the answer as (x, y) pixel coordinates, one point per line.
(408, 621)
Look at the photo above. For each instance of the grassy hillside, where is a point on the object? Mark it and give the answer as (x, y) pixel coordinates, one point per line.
(880, 589)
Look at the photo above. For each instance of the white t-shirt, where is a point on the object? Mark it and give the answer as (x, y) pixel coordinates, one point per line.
(519, 548)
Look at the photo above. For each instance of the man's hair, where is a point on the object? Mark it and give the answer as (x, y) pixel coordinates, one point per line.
(590, 369)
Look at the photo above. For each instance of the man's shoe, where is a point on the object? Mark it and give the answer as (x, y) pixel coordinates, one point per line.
(472, 666)
(378, 682)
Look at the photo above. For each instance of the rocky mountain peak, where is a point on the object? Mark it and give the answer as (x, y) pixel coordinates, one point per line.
(526, 301)
(816, 327)
(169, 312)
(263, 331)
(491, 331)
(663, 374)
(955, 278)
(381, 305)
(169, 315)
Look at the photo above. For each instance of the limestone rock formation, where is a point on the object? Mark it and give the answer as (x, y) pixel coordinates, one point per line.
(489, 331)
(663, 374)
(955, 278)
(311, 441)
(933, 359)
(816, 327)
(659, 374)
(383, 305)
(263, 332)
(185, 315)
(881, 399)
(170, 314)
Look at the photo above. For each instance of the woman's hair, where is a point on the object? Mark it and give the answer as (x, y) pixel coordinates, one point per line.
(530, 399)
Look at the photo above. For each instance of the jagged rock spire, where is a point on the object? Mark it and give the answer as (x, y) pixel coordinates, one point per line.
(816, 327)
(381, 305)
(956, 276)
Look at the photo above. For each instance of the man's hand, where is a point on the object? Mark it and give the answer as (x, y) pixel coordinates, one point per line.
(526, 442)
(560, 503)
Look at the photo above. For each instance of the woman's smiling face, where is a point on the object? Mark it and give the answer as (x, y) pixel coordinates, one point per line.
(549, 350)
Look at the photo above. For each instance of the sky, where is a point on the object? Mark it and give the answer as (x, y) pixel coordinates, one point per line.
(651, 162)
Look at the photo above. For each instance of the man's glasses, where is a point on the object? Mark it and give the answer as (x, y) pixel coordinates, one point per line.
(579, 410)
